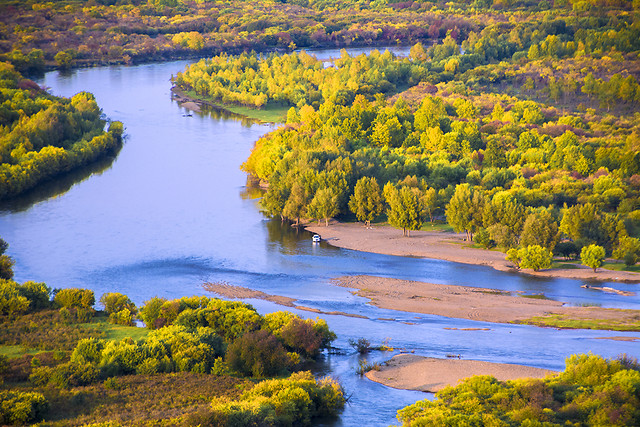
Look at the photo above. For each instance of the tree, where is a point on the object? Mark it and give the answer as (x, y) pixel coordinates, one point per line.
(540, 228)
(535, 257)
(324, 205)
(404, 208)
(464, 211)
(592, 256)
(366, 200)
(6, 262)
(584, 222)
(628, 250)
(430, 202)
(296, 205)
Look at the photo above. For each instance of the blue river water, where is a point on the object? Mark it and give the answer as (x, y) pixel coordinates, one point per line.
(173, 211)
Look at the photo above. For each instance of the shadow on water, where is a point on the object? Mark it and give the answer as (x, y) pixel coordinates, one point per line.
(57, 185)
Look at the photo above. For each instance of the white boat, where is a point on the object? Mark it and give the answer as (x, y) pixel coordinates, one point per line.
(316, 238)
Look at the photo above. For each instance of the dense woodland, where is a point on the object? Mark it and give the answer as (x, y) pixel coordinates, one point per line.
(224, 363)
(42, 136)
(524, 134)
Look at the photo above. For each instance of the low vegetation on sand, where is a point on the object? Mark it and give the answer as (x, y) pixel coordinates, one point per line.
(591, 391)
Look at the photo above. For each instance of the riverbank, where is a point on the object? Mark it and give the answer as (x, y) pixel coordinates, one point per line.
(412, 372)
(485, 305)
(445, 246)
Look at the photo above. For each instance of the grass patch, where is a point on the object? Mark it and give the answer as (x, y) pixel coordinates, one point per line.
(15, 351)
(271, 113)
(563, 321)
(620, 266)
(113, 332)
(566, 265)
(534, 296)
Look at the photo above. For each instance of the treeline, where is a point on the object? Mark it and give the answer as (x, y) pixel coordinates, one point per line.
(196, 335)
(42, 136)
(66, 33)
(590, 391)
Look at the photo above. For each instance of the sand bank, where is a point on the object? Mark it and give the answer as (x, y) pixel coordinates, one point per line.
(481, 304)
(411, 372)
(445, 246)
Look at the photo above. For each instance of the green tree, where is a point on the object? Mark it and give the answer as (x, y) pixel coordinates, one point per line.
(324, 205)
(115, 301)
(540, 228)
(296, 205)
(404, 208)
(430, 202)
(628, 249)
(535, 257)
(592, 256)
(464, 211)
(366, 201)
(6, 262)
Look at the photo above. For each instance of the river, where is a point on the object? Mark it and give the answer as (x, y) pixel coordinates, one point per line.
(173, 211)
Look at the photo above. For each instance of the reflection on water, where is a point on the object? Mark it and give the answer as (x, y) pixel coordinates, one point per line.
(58, 185)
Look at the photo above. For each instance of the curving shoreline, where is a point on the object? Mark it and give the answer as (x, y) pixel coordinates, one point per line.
(445, 246)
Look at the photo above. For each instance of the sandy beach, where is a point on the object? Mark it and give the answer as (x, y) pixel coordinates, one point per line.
(445, 246)
(412, 372)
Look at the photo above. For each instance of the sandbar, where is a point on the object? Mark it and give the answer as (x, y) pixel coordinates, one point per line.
(480, 304)
(446, 246)
(412, 372)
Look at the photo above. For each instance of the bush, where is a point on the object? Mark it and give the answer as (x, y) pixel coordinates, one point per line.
(257, 354)
(19, 408)
(150, 313)
(38, 294)
(74, 298)
(307, 337)
(115, 302)
(11, 302)
(123, 317)
(362, 345)
(296, 400)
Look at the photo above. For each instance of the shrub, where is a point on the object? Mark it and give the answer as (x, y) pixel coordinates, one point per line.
(150, 313)
(74, 298)
(115, 302)
(296, 400)
(307, 337)
(123, 317)
(362, 345)
(11, 302)
(21, 408)
(257, 354)
(38, 294)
